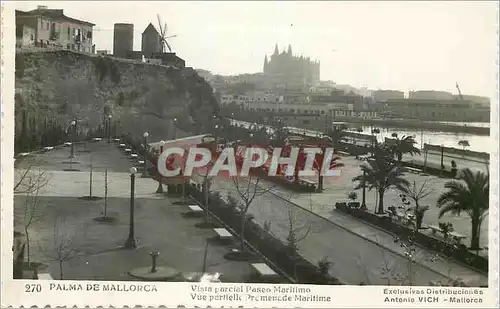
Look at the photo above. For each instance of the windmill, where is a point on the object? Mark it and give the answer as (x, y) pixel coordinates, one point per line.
(163, 35)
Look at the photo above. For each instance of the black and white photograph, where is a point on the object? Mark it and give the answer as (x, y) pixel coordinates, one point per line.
(253, 153)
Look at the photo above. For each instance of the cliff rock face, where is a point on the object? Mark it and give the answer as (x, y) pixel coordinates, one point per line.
(53, 88)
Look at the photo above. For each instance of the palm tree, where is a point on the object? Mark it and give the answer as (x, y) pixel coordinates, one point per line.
(336, 134)
(469, 193)
(380, 174)
(403, 145)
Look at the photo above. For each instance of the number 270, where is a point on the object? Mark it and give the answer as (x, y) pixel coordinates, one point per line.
(33, 287)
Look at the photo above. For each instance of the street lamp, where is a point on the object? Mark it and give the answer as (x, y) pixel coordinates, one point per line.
(442, 159)
(72, 128)
(160, 186)
(175, 128)
(109, 128)
(130, 243)
(145, 171)
(154, 255)
(363, 202)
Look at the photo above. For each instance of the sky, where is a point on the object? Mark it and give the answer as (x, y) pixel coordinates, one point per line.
(380, 45)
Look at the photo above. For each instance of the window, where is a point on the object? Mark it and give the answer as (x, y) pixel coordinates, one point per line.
(69, 32)
(48, 25)
(89, 35)
(68, 46)
(32, 37)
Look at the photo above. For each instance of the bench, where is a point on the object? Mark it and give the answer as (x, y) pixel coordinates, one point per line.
(363, 157)
(414, 170)
(97, 139)
(116, 140)
(223, 234)
(435, 229)
(195, 208)
(24, 154)
(67, 144)
(122, 145)
(128, 150)
(48, 148)
(343, 153)
(133, 155)
(264, 271)
(141, 162)
(457, 237)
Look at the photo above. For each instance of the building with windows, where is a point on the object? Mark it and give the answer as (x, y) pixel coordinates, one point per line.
(50, 28)
(438, 110)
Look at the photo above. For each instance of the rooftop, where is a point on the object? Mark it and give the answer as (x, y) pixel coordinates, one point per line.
(52, 13)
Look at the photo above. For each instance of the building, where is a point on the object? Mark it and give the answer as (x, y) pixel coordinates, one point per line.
(50, 28)
(291, 71)
(151, 42)
(102, 52)
(438, 110)
(474, 98)
(169, 59)
(123, 39)
(430, 95)
(384, 95)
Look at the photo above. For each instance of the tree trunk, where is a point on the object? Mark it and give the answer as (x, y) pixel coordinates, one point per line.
(380, 201)
(27, 245)
(206, 201)
(106, 193)
(400, 157)
(61, 270)
(205, 255)
(419, 218)
(242, 231)
(474, 238)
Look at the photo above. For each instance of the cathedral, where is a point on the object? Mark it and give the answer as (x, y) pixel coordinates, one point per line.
(292, 69)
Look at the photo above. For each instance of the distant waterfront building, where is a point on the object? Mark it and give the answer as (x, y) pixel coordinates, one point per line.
(291, 71)
(50, 28)
(123, 39)
(384, 95)
(437, 110)
(430, 95)
(151, 41)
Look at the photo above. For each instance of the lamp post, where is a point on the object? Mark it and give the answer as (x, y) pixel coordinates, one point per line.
(130, 243)
(72, 128)
(154, 256)
(109, 128)
(175, 128)
(160, 185)
(232, 118)
(442, 159)
(363, 202)
(145, 170)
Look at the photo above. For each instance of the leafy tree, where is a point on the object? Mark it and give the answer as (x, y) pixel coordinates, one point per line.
(469, 193)
(380, 174)
(402, 145)
(416, 193)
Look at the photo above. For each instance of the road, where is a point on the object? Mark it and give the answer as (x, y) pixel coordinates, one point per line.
(356, 260)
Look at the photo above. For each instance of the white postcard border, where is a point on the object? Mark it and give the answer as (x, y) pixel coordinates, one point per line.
(14, 293)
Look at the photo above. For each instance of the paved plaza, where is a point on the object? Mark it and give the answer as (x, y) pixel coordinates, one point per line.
(358, 251)
(159, 225)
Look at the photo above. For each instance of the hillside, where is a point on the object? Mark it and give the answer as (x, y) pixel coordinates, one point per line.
(52, 88)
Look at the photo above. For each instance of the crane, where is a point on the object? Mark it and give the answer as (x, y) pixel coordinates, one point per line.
(459, 93)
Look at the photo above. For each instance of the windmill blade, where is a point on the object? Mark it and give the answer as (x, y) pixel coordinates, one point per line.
(172, 36)
(165, 28)
(159, 24)
(170, 49)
